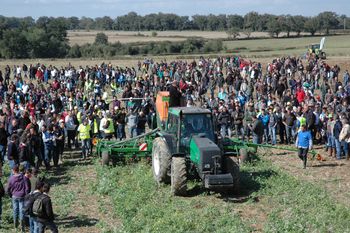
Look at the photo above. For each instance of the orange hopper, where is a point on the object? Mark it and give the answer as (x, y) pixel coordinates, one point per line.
(162, 105)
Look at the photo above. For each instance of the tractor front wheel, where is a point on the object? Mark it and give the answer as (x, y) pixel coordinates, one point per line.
(160, 161)
(105, 158)
(232, 167)
(178, 176)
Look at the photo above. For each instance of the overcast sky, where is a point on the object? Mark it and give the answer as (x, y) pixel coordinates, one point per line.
(114, 8)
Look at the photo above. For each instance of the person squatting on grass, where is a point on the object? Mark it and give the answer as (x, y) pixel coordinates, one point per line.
(304, 143)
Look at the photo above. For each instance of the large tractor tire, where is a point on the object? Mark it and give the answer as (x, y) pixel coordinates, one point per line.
(105, 158)
(243, 156)
(161, 158)
(178, 176)
(323, 56)
(232, 167)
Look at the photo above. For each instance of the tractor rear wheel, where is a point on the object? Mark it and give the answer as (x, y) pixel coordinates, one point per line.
(178, 176)
(232, 167)
(243, 155)
(105, 158)
(161, 161)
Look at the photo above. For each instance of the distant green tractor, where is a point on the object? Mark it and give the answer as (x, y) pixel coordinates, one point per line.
(316, 50)
(187, 148)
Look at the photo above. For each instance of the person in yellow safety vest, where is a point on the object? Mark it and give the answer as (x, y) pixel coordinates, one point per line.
(114, 88)
(301, 120)
(107, 126)
(84, 135)
(79, 117)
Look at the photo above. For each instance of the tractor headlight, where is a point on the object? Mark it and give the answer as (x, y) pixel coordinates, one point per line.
(207, 165)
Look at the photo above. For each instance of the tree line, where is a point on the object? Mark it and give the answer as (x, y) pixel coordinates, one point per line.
(46, 37)
(253, 21)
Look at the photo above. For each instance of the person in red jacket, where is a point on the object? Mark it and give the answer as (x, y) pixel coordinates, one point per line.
(300, 95)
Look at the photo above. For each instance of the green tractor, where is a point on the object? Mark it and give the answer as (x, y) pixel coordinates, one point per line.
(316, 50)
(187, 148)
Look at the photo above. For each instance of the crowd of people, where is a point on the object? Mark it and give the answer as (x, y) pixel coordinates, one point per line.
(46, 110)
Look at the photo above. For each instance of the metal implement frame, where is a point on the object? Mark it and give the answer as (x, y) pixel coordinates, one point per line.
(128, 148)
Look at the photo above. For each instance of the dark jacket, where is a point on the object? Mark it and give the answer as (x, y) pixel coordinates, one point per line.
(310, 119)
(224, 118)
(48, 214)
(175, 97)
(3, 137)
(18, 186)
(12, 152)
(337, 128)
(258, 128)
(289, 119)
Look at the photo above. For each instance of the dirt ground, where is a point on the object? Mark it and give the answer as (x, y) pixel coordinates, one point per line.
(77, 206)
(331, 174)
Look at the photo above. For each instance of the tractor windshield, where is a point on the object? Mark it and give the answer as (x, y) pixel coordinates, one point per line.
(194, 124)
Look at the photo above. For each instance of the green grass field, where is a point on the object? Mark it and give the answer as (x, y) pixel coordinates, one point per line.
(334, 46)
(270, 201)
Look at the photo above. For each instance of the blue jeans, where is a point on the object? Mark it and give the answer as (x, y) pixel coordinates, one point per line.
(266, 134)
(330, 141)
(256, 139)
(17, 207)
(133, 132)
(345, 148)
(2, 152)
(272, 132)
(85, 145)
(337, 148)
(290, 133)
(121, 131)
(48, 154)
(33, 225)
(12, 163)
(47, 225)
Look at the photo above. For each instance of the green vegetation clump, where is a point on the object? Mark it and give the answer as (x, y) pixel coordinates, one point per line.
(286, 203)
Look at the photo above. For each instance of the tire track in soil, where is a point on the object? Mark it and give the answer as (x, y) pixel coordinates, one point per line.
(77, 207)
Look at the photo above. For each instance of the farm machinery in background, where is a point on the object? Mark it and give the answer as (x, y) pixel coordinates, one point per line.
(316, 50)
(184, 146)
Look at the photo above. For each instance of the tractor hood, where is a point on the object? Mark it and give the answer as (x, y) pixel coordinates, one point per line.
(203, 153)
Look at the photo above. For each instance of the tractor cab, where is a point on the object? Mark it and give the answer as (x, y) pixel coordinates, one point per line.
(185, 123)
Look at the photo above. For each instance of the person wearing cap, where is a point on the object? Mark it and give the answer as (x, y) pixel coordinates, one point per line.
(84, 135)
(303, 143)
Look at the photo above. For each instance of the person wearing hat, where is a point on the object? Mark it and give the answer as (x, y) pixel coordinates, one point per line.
(84, 135)
(303, 143)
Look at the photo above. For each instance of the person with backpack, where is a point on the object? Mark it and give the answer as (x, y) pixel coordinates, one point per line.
(42, 209)
(28, 206)
(17, 188)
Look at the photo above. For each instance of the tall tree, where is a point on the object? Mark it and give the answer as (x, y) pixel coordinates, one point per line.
(328, 20)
